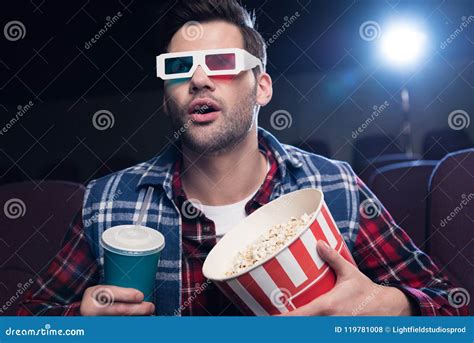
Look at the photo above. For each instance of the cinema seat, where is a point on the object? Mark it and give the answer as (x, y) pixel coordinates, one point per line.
(451, 220)
(33, 222)
(403, 189)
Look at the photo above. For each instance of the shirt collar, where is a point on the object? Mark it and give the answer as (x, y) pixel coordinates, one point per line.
(159, 173)
(283, 157)
(260, 198)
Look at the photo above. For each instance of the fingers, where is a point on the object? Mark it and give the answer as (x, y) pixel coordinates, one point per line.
(104, 300)
(120, 294)
(127, 309)
(340, 265)
(324, 305)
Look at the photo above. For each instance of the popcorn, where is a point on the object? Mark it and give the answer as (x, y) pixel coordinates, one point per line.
(268, 243)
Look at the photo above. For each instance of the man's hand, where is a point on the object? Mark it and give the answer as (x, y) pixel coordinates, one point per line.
(104, 300)
(354, 293)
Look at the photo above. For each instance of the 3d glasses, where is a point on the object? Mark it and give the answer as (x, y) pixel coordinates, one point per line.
(214, 62)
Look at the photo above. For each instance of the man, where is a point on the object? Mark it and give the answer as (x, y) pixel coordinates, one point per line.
(223, 168)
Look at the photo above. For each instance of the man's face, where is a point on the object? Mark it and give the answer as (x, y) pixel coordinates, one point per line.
(233, 95)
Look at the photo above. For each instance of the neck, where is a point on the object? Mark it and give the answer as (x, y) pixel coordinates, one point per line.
(225, 178)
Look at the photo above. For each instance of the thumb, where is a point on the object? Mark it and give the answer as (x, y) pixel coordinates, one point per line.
(340, 265)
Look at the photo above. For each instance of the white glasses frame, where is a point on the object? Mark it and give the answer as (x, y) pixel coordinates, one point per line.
(244, 60)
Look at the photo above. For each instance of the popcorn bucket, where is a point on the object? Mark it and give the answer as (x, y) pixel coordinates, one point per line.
(295, 274)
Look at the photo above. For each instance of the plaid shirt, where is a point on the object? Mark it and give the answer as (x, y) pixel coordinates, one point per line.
(381, 249)
(201, 297)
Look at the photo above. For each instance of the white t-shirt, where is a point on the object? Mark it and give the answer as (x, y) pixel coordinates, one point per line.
(225, 217)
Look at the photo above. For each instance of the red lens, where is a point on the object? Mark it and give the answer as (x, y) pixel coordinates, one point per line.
(221, 61)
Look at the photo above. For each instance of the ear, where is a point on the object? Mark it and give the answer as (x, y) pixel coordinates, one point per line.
(264, 89)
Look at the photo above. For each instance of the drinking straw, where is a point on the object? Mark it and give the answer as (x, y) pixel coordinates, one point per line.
(145, 204)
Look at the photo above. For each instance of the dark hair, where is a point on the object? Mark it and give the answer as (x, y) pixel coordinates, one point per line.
(231, 11)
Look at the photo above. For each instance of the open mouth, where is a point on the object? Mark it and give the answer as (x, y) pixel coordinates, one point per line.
(203, 110)
(203, 106)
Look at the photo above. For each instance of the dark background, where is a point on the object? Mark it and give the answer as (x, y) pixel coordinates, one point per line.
(325, 76)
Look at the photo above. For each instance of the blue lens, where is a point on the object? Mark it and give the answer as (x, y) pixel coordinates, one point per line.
(178, 65)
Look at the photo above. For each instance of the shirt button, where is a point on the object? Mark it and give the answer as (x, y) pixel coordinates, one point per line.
(206, 228)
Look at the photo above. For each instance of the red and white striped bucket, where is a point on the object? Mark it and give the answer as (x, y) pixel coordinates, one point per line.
(293, 276)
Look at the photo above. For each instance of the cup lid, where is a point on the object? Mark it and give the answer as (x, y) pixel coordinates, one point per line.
(132, 240)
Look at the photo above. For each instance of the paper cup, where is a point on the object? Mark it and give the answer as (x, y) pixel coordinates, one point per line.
(294, 275)
(131, 255)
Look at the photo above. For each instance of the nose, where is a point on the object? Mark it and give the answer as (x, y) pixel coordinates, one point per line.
(200, 81)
